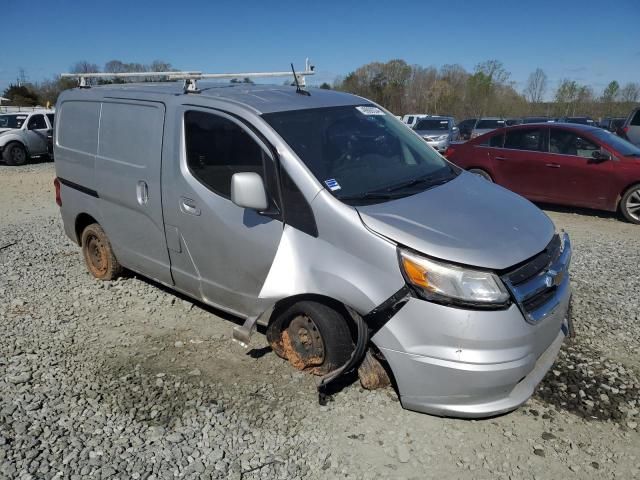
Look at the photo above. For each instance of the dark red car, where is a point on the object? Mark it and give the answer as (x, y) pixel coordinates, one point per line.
(566, 164)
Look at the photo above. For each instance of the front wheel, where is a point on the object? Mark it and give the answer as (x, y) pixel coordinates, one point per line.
(630, 204)
(481, 173)
(312, 337)
(15, 154)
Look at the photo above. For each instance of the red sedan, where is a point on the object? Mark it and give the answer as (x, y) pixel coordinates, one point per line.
(566, 164)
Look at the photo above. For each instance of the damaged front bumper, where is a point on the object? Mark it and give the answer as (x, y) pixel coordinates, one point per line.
(473, 363)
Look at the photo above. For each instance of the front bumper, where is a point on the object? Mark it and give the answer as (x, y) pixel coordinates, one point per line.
(471, 363)
(440, 146)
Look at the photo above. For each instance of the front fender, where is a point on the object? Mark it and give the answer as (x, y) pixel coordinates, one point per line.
(7, 138)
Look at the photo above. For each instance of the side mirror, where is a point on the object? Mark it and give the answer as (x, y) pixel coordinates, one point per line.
(601, 155)
(247, 191)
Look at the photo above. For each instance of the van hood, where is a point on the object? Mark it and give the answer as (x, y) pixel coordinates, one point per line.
(467, 220)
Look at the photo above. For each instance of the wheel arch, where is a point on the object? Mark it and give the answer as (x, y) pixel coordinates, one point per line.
(483, 168)
(83, 220)
(623, 191)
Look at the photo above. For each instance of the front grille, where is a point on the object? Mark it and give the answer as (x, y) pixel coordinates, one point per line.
(534, 283)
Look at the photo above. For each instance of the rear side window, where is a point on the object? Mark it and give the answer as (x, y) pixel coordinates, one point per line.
(37, 122)
(525, 139)
(217, 148)
(636, 119)
(78, 126)
(495, 141)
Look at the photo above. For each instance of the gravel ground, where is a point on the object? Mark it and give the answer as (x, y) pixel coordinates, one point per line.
(127, 380)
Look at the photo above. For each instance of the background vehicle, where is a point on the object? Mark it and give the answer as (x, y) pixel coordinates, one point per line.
(25, 135)
(512, 121)
(412, 118)
(578, 120)
(437, 131)
(631, 128)
(613, 124)
(465, 127)
(484, 125)
(536, 119)
(567, 164)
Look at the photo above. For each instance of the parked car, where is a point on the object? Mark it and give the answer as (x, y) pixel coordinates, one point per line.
(25, 135)
(487, 124)
(536, 119)
(578, 120)
(631, 128)
(312, 214)
(512, 121)
(439, 132)
(613, 124)
(465, 127)
(411, 119)
(567, 164)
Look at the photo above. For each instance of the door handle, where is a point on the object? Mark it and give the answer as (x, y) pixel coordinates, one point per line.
(553, 165)
(189, 206)
(142, 192)
(501, 158)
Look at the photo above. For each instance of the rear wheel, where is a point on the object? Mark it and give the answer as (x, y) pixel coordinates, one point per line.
(312, 337)
(15, 154)
(481, 173)
(98, 255)
(630, 204)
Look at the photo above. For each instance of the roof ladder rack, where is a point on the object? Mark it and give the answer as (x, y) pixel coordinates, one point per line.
(190, 78)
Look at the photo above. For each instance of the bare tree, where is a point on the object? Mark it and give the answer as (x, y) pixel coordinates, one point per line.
(630, 92)
(84, 67)
(536, 86)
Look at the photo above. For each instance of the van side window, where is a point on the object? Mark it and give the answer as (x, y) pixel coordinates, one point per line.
(217, 148)
(37, 122)
(80, 129)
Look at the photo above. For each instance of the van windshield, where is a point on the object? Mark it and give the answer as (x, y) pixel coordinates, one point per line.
(12, 121)
(361, 154)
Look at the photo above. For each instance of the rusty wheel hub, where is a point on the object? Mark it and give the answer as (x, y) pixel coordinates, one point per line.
(303, 343)
(96, 256)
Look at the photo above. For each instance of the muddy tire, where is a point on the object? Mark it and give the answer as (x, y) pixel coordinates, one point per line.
(312, 337)
(15, 154)
(630, 204)
(98, 255)
(481, 173)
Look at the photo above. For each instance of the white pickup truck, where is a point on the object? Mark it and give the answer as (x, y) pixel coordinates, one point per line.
(24, 135)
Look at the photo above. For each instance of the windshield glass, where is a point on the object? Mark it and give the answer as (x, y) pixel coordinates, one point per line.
(622, 146)
(360, 154)
(12, 121)
(433, 125)
(487, 124)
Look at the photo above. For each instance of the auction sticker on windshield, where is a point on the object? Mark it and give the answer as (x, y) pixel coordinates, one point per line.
(332, 184)
(370, 110)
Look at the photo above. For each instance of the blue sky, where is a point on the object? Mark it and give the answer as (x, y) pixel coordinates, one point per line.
(592, 42)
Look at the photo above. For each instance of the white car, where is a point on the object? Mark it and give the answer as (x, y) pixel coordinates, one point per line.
(24, 135)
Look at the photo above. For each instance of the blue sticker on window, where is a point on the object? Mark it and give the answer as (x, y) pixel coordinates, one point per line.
(332, 184)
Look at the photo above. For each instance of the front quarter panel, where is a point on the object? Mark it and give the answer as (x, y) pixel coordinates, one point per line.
(17, 136)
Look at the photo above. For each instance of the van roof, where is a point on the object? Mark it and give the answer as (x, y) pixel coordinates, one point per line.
(262, 98)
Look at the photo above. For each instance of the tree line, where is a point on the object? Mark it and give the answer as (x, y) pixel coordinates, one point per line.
(487, 91)
(402, 88)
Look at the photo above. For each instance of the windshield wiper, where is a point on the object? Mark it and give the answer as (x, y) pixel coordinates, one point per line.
(371, 196)
(431, 180)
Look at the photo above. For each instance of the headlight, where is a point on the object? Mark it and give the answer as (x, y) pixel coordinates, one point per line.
(445, 283)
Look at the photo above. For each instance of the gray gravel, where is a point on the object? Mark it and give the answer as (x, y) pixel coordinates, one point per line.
(127, 380)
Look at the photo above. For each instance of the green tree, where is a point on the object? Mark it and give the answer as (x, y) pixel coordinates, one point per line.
(325, 86)
(21, 95)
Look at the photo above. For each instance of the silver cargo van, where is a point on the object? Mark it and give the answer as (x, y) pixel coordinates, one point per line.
(325, 219)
